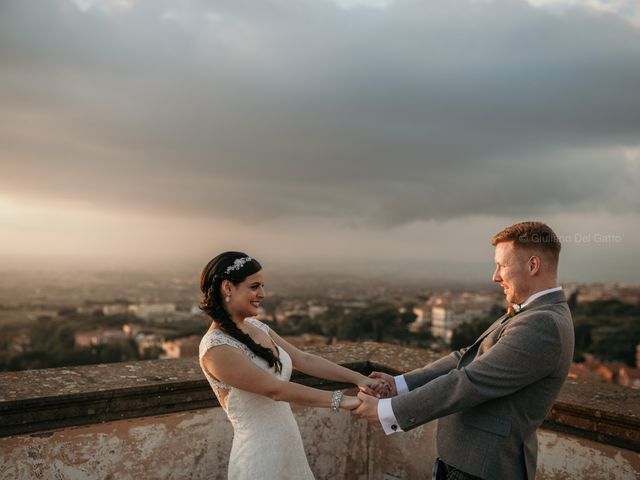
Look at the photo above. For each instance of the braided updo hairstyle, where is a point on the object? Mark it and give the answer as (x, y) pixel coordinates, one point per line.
(212, 303)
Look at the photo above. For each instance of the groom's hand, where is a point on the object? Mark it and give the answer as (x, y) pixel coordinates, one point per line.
(373, 386)
(389, 383)
(368, 409)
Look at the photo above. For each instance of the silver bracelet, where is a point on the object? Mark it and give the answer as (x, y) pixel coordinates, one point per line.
(335, 400)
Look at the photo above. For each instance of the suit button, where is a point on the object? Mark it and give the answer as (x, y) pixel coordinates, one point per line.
(412, 420)
(394, 427)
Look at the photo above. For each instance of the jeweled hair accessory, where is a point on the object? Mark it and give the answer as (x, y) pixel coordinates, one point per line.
(237, 264)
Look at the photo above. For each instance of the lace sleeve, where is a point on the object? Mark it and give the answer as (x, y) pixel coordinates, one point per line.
(257, 323)
(215, 338)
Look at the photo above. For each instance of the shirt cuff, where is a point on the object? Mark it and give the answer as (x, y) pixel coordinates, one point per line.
(401, 385)
(387, 418)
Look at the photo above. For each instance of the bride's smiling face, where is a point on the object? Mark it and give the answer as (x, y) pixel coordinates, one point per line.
(245, 296)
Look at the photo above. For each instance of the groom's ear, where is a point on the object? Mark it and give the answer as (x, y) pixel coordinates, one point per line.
(534, 265)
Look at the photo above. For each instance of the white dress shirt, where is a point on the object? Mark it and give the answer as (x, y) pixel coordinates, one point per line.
(385, 411)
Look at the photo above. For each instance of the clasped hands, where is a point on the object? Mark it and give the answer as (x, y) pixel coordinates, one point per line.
(378, 385)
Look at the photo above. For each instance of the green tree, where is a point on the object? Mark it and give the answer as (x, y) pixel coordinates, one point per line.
(609, 329)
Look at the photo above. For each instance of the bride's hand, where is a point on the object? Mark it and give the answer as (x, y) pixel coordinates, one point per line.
(376, 387)
(349, 403)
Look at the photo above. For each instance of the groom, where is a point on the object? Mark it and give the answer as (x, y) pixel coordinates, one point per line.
(493, 395)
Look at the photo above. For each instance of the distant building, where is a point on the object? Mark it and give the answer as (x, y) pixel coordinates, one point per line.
(607, 291)
(85, 339)
(291, 308)
(149, 310)
(173, 317)
(148, 342)
(448, 313)
(582, 372)
(130, 329)
(115, 309)
(182, 347)
(98, 337)
(354, 304)
(594, 371)
(423, 319)
(317, 310)
(89, 308)
(629, 377)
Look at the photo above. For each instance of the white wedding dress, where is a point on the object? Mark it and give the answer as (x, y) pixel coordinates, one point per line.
(266, 442)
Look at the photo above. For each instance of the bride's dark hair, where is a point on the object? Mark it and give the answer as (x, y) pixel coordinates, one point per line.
(235, 267)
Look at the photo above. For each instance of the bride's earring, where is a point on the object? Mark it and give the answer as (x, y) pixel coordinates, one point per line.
(227, 298)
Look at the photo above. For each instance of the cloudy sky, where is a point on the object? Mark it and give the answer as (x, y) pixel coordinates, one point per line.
(319, 132)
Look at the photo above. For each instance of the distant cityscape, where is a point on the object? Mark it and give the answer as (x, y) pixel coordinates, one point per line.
(94, 317)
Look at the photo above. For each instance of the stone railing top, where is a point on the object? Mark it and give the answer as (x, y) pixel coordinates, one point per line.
(34, 400)
(31, 385)
(390, 357)
(60, 382)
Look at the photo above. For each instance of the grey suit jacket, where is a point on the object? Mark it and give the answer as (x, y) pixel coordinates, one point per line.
(492, 396)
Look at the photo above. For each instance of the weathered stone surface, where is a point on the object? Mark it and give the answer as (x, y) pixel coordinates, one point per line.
(567, 457)
(40, 400)
(31, 385)
(196, 444)
(379, 355)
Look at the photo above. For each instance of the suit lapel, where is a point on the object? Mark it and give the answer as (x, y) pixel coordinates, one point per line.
(488, 331)
(495, 325)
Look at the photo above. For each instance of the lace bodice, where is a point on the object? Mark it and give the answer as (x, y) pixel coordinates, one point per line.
(216, 337)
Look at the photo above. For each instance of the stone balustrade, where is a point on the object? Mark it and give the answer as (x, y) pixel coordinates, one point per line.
(159, 419)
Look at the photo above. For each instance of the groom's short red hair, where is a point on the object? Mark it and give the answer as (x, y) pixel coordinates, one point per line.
(532, 236)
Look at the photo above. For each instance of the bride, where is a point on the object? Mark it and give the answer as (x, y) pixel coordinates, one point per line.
(249, 365)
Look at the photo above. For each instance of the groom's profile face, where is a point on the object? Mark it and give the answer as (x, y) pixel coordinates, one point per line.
(511, 272)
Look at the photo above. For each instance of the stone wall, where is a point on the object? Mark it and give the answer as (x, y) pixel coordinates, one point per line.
(196, 444)
(158, 419)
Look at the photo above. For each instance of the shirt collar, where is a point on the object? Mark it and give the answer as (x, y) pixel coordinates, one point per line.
(539, 294)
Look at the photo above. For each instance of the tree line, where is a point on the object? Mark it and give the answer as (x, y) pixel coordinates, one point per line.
(608, 329)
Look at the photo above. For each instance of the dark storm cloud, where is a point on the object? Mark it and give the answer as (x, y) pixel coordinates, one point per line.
(261, 109)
